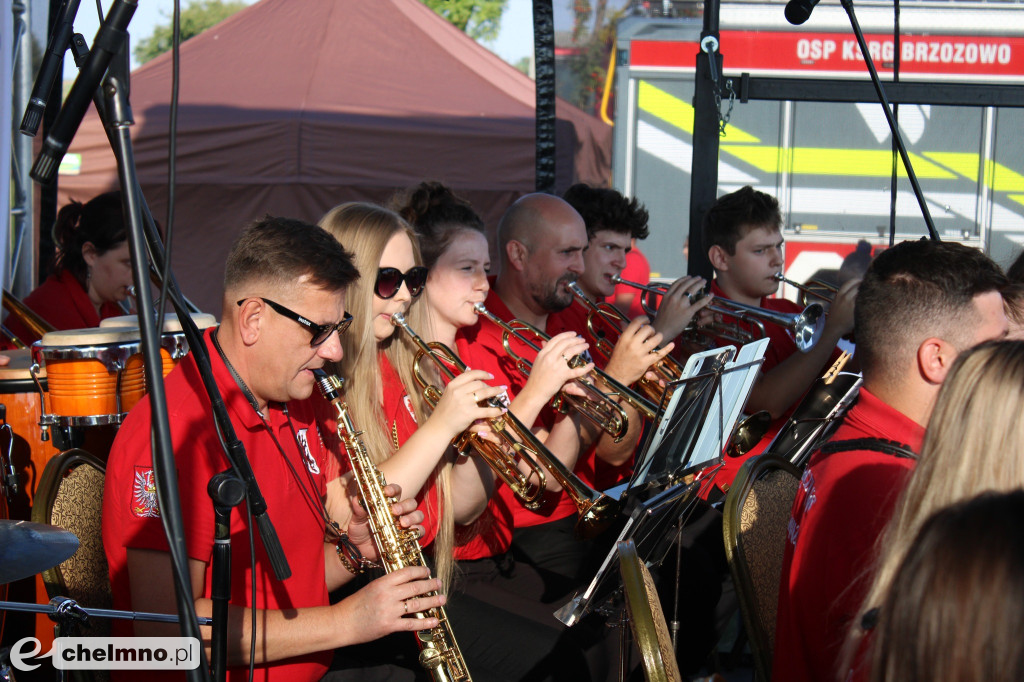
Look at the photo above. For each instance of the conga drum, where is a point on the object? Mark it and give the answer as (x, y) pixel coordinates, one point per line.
(173, 345)
(90, 379)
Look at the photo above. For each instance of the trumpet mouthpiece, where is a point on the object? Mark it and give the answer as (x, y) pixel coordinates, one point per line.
(479, 308)
(398, 319)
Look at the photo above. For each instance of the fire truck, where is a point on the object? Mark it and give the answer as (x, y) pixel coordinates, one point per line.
(829, 163)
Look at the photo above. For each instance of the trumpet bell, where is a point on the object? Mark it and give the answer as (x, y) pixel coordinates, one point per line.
(808, 326)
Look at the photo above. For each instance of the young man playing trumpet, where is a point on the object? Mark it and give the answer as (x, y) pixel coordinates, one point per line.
(743, 237)
(613, 223)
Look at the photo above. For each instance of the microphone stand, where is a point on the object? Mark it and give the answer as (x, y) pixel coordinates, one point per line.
(115, 92)
(118, 118)
(116, 115)
(893, 126)
(226, 491)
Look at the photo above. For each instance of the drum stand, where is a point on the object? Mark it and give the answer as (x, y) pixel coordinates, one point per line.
(69, 616)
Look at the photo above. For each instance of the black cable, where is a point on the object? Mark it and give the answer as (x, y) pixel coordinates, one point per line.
(172, 153)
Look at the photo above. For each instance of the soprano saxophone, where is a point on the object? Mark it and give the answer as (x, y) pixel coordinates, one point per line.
(398, 547)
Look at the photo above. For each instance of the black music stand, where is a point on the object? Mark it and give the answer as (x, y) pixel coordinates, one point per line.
(690, 433)
(696, 417)
(650, 525)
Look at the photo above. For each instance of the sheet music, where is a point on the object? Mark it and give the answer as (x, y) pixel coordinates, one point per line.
(737, 382)
(683, 405)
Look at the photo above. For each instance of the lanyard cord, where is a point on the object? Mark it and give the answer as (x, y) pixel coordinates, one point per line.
(331, 528)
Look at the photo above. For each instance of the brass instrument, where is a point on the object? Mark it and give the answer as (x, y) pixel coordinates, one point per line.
(667, 369)
(813, 288)
(501, 459)
(594, 509)
(398, 547)
(599, 407)
(805, 326)
(28, 317)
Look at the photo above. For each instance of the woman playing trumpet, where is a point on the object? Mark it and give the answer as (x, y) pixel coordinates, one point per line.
(411, 441)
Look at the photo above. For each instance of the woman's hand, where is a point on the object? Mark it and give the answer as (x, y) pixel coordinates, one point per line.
(387, 605)
(464, 401)
(405, 512)
(551, 371)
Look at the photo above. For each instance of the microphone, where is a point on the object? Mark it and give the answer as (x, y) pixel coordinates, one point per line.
(111, 36)
(59, 41)
(799, 11)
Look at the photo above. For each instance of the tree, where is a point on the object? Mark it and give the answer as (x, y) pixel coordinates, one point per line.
(479, 19)
(196, 18)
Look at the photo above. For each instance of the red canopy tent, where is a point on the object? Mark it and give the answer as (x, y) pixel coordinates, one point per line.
(290, 108)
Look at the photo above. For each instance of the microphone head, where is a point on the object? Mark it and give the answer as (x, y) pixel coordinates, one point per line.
(799, 11)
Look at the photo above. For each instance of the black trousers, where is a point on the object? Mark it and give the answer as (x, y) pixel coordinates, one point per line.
(504, 635)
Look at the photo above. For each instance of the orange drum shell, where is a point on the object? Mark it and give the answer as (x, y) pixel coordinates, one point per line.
(83, 387)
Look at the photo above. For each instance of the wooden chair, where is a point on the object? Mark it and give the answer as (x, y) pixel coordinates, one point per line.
(755, 520)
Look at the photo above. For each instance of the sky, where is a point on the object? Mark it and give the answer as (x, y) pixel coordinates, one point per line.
(513, 43)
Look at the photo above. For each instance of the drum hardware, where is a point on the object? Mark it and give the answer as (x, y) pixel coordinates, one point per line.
(8, 476)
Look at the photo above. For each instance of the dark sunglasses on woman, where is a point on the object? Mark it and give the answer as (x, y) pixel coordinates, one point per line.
(389, 281)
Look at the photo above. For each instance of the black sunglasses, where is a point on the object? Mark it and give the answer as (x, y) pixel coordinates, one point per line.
(320, 332)
(389, 281)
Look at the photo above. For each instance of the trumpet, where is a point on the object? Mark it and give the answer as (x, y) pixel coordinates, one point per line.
(667, 369)
(595, 510)
(398, 547)
(805, 327)
(814, 288)
(598, 407)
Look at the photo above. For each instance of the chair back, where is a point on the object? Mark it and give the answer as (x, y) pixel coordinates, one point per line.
(70, 495)
(756, 516)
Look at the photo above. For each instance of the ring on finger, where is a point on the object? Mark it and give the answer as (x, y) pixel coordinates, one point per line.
(405, 605)
(475, 398)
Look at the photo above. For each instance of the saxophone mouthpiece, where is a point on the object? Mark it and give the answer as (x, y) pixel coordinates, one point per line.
(328, 384)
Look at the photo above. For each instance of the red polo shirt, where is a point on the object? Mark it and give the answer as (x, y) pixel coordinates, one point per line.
(292, 479)
(480, 347)
(591, 470)
(843, 504)
(61, 301)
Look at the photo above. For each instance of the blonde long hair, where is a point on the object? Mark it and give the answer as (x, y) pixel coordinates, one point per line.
(973, 444)
(364, 230)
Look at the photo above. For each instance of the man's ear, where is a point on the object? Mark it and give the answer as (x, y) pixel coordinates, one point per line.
(719, 258)
(935, 357)
(250, 320)
(517, 254)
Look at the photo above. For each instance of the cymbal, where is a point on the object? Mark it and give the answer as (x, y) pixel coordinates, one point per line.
(28, 548)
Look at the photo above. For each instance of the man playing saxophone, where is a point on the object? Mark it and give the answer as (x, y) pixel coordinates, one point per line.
(283, 313)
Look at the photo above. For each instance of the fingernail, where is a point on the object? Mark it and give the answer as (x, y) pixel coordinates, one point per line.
(490, 376)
